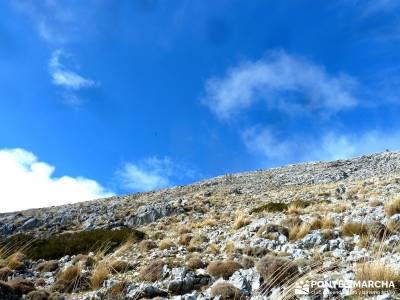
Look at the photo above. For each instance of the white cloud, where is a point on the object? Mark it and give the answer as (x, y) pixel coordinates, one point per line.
(152, 173)
(328, 146)
(26, 182)
(66, 78)
(263, 141)
(54, 20)
(284, 82)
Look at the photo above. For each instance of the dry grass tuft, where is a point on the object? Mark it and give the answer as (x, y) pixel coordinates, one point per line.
(297, 207)
(146, 245)
(229, 247)
(70, 274)
(316, 223)
(100, 273)
(328, 223)
(352, 228)
(166, 244)
(153, 272)
(214, 248)
(276, 271)
(240, 222)
(118, 266)
(393, 226)
(185, 239)
(16, 261)
(69, 280)
(392, 207)
(291, 221)
(298, 232)
(225, 291)
(195, 263)
(377, 271)
(223, 268)
(48, 266)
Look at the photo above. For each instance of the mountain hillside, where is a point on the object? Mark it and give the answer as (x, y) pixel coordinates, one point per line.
(258, 235)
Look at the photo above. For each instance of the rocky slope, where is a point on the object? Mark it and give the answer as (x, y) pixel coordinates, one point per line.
(252, 235)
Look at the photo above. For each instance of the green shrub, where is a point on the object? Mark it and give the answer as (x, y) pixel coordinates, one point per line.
(271, 207)
(74, 243)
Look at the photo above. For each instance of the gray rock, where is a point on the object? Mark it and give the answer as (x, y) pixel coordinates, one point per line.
(184, 281)
(395, 217)
(145, 291)
(30, 224)
(151, 213)
(247, 281)
(312, 239)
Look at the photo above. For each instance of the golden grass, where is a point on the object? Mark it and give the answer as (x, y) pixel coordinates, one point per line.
(316, 223)
(166, 244)
(214, 248)
(300, 231)
(392, 207)
(100, 273)
(146, 245)
(352, 228)
(393, 226)
(16, 261)
(328, 223)
(240, 222)
(229, 247)
(71, 274)
(296, 207)
(376, 271)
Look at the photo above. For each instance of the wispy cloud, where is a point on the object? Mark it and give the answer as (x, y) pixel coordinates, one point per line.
(58, 24)
(27, 182)
(152, 173)
(330, 145)
(66, 78)
(280, 80)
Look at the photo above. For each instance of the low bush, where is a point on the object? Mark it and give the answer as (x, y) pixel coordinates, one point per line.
(74, 243)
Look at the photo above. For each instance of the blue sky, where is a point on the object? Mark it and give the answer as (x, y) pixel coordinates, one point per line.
(110, 97)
